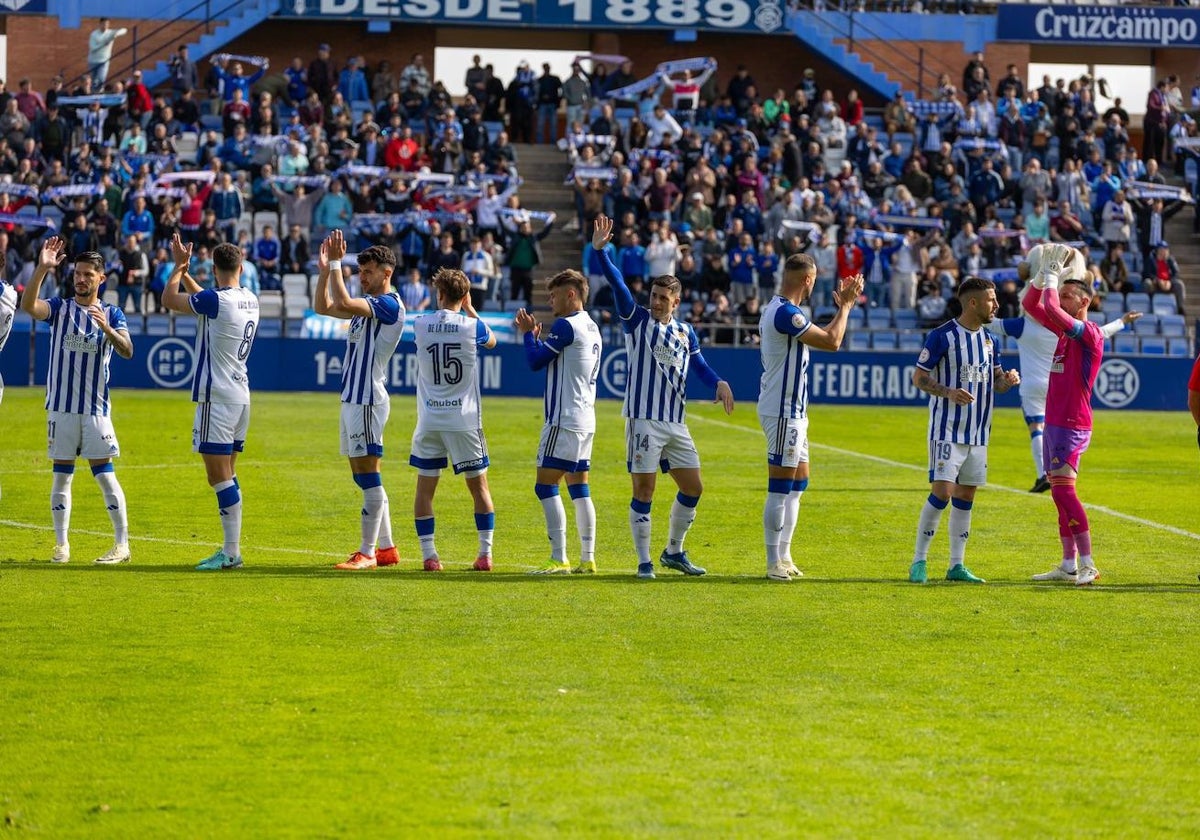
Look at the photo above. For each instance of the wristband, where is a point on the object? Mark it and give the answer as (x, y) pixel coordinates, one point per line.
(335, 265)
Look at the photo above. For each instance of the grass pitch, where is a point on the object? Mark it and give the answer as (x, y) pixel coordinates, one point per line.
(288, 699)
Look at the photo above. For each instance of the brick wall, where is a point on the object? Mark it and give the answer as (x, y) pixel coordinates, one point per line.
(38, 48)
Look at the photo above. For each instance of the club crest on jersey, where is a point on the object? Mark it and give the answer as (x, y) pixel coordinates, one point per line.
(924, 357)
(357, 327)
(798, 320)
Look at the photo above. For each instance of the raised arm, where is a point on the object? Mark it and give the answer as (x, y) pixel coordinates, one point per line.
(830, 337)
(538, 353)
(601, 235)
(1047, 264)
(1113, 327)
(341, 304)
(52, 254)
(173, 297)
(322, 304)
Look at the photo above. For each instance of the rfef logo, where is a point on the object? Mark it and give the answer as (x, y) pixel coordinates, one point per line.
(170, 363)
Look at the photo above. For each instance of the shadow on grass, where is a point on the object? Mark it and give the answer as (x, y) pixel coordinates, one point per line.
(464, 575)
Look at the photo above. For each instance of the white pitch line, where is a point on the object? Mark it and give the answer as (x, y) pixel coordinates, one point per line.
(12, 523)
(1137, 520)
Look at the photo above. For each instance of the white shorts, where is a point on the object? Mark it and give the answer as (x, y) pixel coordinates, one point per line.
(71, 436)
(1033, 401)
(565, 449)
(654, 444)
(957, 463)
(220, 428)
(787, 440)
(361, 429)
(434, 449)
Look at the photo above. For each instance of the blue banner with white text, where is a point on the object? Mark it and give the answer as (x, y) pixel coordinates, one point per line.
(847, 378)
(1124, 26)
(762, 16)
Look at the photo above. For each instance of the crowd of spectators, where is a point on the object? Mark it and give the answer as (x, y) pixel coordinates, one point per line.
(715, 183)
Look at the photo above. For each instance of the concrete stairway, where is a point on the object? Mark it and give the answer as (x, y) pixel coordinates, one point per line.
(543, 169)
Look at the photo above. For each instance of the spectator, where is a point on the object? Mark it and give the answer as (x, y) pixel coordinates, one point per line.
(416, 76)
(662, 254)
(226, 203)
(320, 74)
(415, 293)
(295, 251)
(481, 269)
(548, 96)
(1152, 216)
(135, 273)
(267, 258)
(1160, 276)
(352, 83)
(525, 254)
(138, 224)
(1114, 271)
(333, 210)
(1116, 217)
(100, 46)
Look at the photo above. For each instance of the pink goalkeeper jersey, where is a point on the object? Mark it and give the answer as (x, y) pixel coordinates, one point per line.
(1073, 375)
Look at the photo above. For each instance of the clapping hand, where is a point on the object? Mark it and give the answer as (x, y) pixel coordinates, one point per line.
(53, 252)
(527, 323)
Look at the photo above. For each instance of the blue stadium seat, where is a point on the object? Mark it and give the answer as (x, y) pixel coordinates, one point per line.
(912, 341)
(1126, 345)
(858, 318)
(270, 328)
(860, 340)
(1114, 307)
(1181, 347)
(294, 327)
(210, 122)
(1154, 346)
(158, 325)
(185, 327)
(1100, 318)
(1137, 300)
(905, 319)
(885, 340)
(1006, 214)
(1172, 325)
(1146, 325)
(1163, 305)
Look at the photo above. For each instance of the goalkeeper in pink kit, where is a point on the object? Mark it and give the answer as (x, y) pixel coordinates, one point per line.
(1057, 297)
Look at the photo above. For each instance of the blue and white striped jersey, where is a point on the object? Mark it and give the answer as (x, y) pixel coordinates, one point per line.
(8, 311)
(448, 371)
(77, 382)
(783, 388)
(657, 367)
(961, 358)
(369, 346)
(570, 399)
(228, 323)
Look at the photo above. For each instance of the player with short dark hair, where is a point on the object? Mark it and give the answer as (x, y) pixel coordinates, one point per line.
(84, 332)
(959, 368)
(449, 428)
(1058, 297)
(570, 355)
(787, 333)
(661, 350)
(376, 323)
(228, 322)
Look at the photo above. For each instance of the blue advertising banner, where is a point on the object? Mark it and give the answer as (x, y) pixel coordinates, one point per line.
(1125, 26)
(762, 16)
(282, 364)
